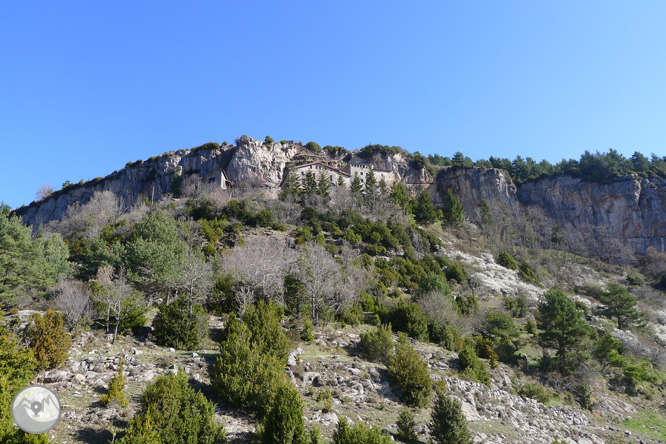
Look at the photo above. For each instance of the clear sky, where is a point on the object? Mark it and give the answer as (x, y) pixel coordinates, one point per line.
(86, 87)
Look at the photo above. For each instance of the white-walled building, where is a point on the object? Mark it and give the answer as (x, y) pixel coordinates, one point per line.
(317, 169)
(361, 167)
(217, 179)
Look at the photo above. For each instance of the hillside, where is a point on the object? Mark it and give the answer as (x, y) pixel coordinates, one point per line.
(538, 308)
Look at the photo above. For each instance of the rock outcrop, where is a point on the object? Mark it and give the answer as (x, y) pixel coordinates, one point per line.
(631, 211)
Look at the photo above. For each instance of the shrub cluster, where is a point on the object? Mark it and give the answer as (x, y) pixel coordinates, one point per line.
(173, 412)
(49, 340)
(411, 374)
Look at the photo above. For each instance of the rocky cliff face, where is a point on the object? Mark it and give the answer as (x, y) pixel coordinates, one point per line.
(630, 209)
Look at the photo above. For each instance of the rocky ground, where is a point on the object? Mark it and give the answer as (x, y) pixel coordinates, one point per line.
(359, 390)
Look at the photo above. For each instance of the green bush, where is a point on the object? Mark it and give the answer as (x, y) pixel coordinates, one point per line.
(49, 340)
(471, 366)
(376, 345)
(17, 369)
(456, 272)
(351, 237)
(432, 282)
(410, 372)
(408, 318)
(406, 426)
(172, 412)
(265, 324)
(445, 334)
(536, 391)
(116, 386)
(507, 261)
(307, 334)
(265, 218)
(358, 434)
(284, 422)
(448, 424)
(174, 327)
(244, 374)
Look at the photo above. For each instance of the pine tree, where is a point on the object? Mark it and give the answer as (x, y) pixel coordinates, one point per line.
(620, 305)
(448, 424)
(284, 422)
(399, 196)
(370, 189)
(341, 181)
(292, 188)
(411, 373)
(323, 186)
(452, 213)
(357, 188)
(563, 328)
(425, 212)
(310, 186)
(406, 425)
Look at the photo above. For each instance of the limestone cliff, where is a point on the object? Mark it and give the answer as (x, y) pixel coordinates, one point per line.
(631, 209)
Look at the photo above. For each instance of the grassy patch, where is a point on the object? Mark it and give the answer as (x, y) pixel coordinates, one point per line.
(649, 424)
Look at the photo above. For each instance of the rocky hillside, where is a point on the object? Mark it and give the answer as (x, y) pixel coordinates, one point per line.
(629, 211)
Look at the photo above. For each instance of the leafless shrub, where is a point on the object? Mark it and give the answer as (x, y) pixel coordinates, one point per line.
(44, 191)
(653, 263)
(89, 219)
(194, 280)
(117, 298)
(326, 284)
(72, 298)
(258, 266)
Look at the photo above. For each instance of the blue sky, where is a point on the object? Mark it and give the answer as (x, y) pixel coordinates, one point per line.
(86, 87)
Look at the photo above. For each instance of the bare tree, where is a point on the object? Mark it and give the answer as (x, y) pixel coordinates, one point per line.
(89, 219)
(329, 285)
(72, 298)
(194, 280)
(258, 268)
(44, 191)
(118, 298)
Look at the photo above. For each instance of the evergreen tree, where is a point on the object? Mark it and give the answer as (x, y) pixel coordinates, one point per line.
(608, 351)
(284, 422)
(341, 181)
(49, 340)
(425, 212)
(411, 373)
(399, 196)
(383, 188)
(292, 188)
(448, 424)
(310, 186)
(452, 213)
(370, 190)
(244, 374)
(563, 328)
(620, 305)
(323, 186)
(174, 326)
(172, 412)
(155, 253)
(357, 188)
(406, 425)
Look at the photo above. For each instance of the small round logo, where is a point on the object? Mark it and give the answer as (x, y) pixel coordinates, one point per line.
(36, 409)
